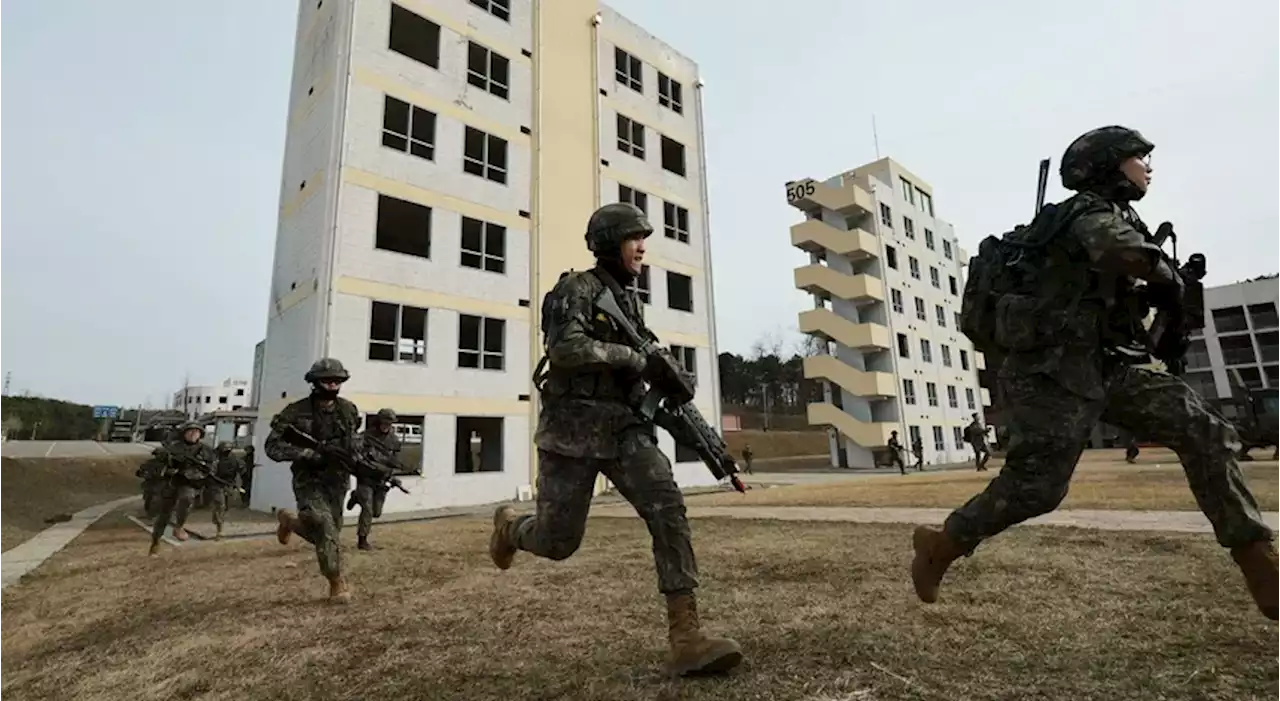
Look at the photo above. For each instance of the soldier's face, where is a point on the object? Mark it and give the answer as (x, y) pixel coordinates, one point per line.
(633, 255)
(1138, 170)
(191, 435)
(384, 426)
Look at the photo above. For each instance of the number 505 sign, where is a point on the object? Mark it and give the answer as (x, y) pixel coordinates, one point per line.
(796, 191)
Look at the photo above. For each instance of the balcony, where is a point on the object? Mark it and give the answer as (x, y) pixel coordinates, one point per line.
(828, 325)
(848, 201)
(828, 282)
(816, 236)
(865, 434)
(860, 383)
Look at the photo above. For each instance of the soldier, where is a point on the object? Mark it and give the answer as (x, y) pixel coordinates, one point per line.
(246, 476)
(977, 437)
(152, 474)
(319, 482)
(587, 426)
(370, 493)
(1131, 450)
(227, 469)
(189, 464)
(747, 457)
(1078, 348)
(917, 449)
(895, 453)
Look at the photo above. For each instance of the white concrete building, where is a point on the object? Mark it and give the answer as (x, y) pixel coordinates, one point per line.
(885, 274)
(1240, 332)
(197, 400)
(441, 161)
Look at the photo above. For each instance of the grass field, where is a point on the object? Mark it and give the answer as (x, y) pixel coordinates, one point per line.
(823, 611)
(777, 444)
(39, 488)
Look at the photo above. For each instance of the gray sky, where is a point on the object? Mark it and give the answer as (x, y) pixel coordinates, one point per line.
(143, 143)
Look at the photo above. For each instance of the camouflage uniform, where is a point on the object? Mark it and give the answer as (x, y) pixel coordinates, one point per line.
(152, 474)
(226, 469)
(370, 494)
(976, 435)
(319, 483)
(246, 476)
(895, 453)
(587, 427)
(1057, 392)
(188, 467)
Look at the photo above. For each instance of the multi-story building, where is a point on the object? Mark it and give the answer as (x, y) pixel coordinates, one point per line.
(441, 161)
(885, 275)
(197, 400)
(1240, 333)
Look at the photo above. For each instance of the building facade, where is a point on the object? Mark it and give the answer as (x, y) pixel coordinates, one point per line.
(1240, 334)
(886, 278)
(442, 158)
(195, 401)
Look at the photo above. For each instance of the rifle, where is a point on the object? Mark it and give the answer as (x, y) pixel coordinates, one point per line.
(355, 462)
(1170, 331)
(1042, 185)
(689, 428)
(209, 470)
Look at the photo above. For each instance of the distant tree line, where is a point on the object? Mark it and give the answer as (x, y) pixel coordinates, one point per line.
(769, 377)
(39, 418)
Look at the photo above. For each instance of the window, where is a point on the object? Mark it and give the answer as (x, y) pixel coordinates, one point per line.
(957, 319)
(909, 391)
(913, 433)
(403, 227)
(952, 401)
(955, 290)
(941, 313)
(946, 249)
(939, 443)
(958, 434)
(414, 36)
(628, 70)
(675, 222)
(1237, 350)
(968, 397)
(208, 399)
(1230, 319)
(481, 342)
(926, 201)
(679, 292)
(926, 351)
(633, 196)
(909, 227)
(896, 297)
(904, 348)
(408, 128)
(920, 313)
(670, 93)
(498, 8)
(915, 266)
(478, 445)
(886, 216)
(630, 137)
(946, 355)
(642, 285)
(485, 155)
(484, 245)
(672, 156)
(908, 192)
(222, 400)
(397, 333)
(928, 239)
(1198, 354)
(687, 357)
(934, 278)
(1264, 315)
(891, 256)
(1267, 347)
(240, 392)
(488, 70)
(931, 390)
(964, 360)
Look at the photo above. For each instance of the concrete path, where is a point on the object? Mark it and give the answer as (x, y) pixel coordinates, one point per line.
(71, 449)
(1169, 521)
(31, 554)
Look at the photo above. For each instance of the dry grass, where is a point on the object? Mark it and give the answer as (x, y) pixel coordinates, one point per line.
(777, 444)
(823, 611)
(38, 488)
(1096, 485)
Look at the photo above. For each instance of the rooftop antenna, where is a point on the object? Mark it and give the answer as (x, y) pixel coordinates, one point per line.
(875, 136)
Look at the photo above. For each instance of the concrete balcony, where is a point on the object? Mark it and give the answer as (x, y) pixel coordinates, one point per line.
(827, 282)
(830, 326)
(860, 383)
(816, 236)
(850, 200)
(865, 434)
(985, 396)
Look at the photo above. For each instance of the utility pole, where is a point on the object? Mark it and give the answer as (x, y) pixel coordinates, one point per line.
(8, 379)
(764, 402)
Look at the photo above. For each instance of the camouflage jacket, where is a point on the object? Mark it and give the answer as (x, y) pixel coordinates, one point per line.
(1092, 301)
(337, 422)
(189, 463)
(383, 448)
(975, 433)
(593, 378)
(153, 469)
(228, 467)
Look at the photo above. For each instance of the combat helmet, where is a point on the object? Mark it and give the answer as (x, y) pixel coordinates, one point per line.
(327, 369)
(387, 415)
(1094, 158)
(224, 447)
(612, 224)
(188, 425)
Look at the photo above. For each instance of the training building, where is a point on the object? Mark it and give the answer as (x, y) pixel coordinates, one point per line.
(1240, 333)
(886, 279)
(441, 161)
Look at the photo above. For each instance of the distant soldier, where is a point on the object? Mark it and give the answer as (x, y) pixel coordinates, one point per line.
(189, 465)
(319, 482)
(917, 449)
(152, 474)
(747, 457)
(380, 441)
(227, 470)
(895, 453)
(976, 434)
(1131, 450)
(246, 476)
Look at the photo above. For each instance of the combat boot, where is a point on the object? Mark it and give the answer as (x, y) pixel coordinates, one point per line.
(692, 651)
(287, 524)
(339, 592)
(1258, 563)
(155, 548)
(179, 534)
(501, 547)
(934, 554)
(218, 535)
(362, 543)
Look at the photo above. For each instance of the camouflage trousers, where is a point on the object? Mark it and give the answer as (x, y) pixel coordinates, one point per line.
(320, 515)
(981, 453)
(1049, 427)
(152, 491)
(370, 498)
(175, 504)
(216, 495)
(643, 476)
